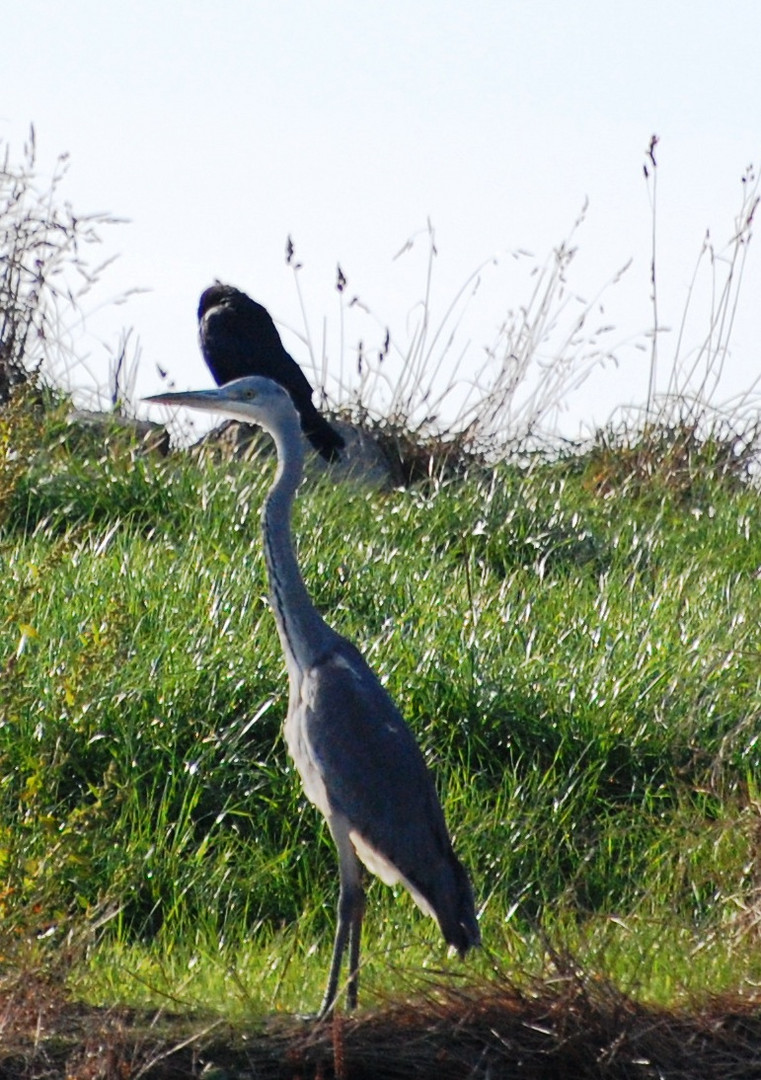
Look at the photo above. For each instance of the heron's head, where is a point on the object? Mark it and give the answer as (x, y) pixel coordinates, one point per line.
(254, 400)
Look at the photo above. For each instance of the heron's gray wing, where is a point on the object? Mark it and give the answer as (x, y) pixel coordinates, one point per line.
(373, 769)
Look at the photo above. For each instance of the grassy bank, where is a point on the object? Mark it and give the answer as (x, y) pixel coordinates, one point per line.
(574, 642)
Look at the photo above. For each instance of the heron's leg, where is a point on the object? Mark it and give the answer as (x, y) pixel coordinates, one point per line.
(350, 907)
(355, 933)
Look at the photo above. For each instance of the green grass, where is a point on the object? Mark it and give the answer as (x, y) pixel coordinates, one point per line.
(579, 660)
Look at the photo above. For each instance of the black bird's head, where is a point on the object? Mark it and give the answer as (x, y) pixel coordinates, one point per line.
(215, 294)
(237, 308)
(218, 294)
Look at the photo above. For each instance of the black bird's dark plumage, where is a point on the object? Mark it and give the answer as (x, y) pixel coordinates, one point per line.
(238, 337)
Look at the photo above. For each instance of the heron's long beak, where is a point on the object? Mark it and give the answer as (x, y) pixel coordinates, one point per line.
(211, 400)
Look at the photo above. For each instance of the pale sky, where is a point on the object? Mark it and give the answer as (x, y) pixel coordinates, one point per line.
(221, 129)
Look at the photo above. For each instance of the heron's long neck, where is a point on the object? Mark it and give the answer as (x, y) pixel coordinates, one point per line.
(303, 633)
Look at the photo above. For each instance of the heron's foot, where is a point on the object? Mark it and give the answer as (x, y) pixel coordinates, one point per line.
(308, 1018)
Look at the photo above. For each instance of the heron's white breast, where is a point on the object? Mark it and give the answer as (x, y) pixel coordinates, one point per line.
(304, 758)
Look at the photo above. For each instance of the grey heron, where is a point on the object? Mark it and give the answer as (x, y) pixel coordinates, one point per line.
(358, 761)
(239, 338)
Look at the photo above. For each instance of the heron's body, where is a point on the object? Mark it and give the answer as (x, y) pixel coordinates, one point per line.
(357, 759)
(348, 758)
(238, 338)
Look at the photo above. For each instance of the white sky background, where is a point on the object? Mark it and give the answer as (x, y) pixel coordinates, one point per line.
(219, 129)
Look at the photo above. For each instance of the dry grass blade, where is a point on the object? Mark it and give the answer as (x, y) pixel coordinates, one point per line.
(45, 276)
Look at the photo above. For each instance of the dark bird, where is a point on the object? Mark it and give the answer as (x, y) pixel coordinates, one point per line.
(238, 338)
(358, 761)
